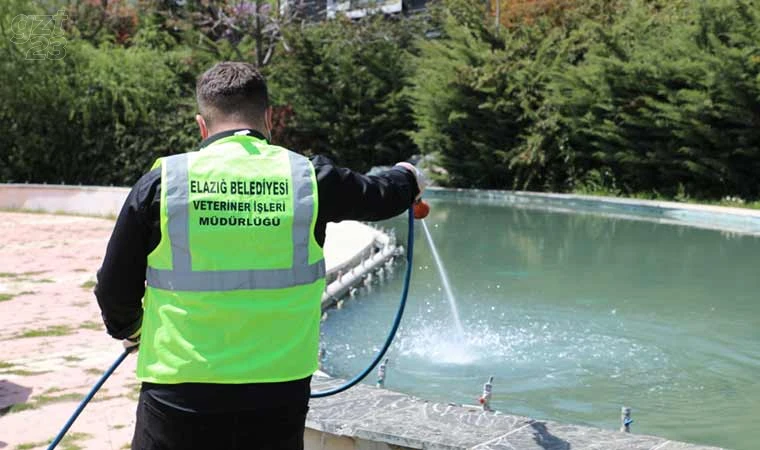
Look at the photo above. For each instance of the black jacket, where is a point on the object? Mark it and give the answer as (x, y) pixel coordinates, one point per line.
(343, 195)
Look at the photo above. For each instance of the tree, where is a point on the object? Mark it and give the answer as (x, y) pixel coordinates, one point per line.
(344, 83)
(226, 29)
(479, 100)
(669, 105)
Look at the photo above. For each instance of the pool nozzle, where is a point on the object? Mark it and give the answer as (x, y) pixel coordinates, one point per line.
(485, 399)
(381, 373)
(625, 419)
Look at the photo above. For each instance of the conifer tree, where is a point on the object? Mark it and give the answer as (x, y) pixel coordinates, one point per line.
(345, 84)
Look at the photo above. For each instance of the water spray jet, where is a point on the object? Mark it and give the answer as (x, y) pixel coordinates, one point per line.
(444, 279)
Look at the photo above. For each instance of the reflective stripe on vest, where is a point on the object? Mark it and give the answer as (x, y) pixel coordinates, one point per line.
(182, 278)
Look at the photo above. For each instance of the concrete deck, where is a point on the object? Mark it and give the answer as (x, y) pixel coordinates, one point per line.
(371, 418)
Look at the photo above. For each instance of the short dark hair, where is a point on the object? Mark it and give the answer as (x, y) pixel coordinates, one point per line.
(232, 91)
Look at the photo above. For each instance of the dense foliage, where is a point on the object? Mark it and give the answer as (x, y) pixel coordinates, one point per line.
(670, 105)
(97, 115)
(630, 97)
(122, 94)
(625, 97)
(343, 86)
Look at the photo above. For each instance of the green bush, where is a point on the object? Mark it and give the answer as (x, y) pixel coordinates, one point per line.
(97, 116)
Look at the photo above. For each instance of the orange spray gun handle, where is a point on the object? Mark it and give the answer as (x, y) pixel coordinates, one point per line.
(421, 209)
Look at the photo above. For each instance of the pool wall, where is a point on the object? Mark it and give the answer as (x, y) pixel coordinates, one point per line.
(734, 220)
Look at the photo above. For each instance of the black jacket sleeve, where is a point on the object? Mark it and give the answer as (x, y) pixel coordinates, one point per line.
(348, 195)
(121, 278)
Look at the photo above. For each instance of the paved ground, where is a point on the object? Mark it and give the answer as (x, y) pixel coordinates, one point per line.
(53, 346)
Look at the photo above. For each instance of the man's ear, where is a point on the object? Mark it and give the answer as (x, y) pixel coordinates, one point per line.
(202, 125)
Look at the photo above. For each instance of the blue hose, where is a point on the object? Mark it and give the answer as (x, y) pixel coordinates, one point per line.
(396, 321)
(347, 385)
(89, 396)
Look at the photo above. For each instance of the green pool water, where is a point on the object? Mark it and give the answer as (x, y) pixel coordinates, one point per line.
(574, 315)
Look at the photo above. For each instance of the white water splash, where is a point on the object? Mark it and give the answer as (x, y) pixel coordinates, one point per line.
(546, 345)
(436, 343)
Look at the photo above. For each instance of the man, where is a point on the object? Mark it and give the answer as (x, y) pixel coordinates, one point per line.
(225, 246)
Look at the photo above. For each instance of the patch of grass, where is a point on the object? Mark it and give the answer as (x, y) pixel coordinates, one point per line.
(72, 358)
(80, 270)
(118, 426)
(45, 399)
(80, 304)
(69, 442)
(27, 274)
(90, 325)
(740, 204)
(89, 284)
(21, 275)
(104, 398)
(18, 407)
(126, 446)
(93, 371)
(54, 330)
(6, 297)
(31, 445)
(24, 372)
(7, 368)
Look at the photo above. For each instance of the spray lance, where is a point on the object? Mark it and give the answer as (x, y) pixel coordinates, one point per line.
(419, 210)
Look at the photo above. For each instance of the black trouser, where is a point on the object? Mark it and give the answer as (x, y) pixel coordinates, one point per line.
(161, 427)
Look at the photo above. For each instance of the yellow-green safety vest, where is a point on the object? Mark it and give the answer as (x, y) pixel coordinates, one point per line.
(234, 286)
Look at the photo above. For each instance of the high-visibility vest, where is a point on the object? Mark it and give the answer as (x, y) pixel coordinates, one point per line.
(234, 286)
